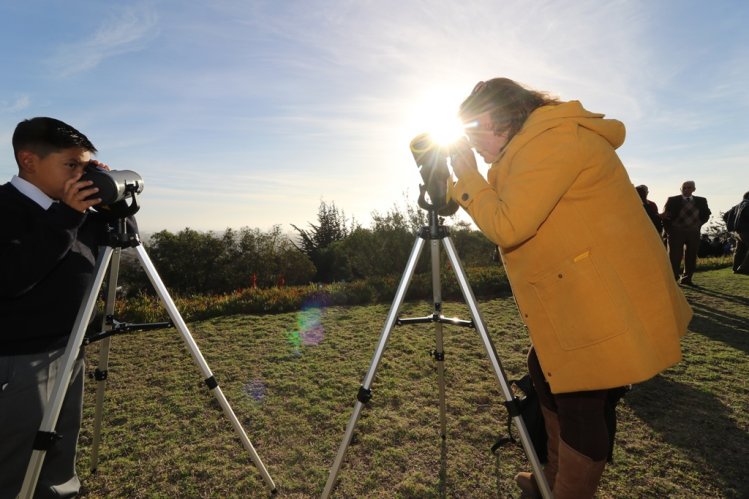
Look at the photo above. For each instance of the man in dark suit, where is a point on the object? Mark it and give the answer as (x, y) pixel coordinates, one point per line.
(650, 208)
(737, 221)
(683, 216)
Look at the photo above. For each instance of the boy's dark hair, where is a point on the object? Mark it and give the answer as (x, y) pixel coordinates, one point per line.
(43, 136)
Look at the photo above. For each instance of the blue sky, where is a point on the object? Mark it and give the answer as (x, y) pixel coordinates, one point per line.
(249, 113)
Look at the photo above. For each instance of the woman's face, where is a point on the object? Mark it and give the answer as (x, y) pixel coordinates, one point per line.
(483, 139)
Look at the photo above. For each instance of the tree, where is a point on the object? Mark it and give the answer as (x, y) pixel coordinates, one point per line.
(473, 247)
(331, 227)
(207, 263)
(189, 261)
(267, 258)
(716, 227)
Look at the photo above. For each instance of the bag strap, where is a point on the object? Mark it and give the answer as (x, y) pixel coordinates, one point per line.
(514, 408)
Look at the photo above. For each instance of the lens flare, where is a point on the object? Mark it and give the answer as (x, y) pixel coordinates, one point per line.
(308, 330)
(255, 388)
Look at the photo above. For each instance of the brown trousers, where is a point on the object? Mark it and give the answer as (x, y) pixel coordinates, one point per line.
(587, 419)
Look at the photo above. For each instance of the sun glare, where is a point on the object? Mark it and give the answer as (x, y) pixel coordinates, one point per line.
(435, 113)
(432, 111)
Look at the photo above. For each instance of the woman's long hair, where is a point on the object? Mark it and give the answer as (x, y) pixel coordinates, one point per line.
(509, 104)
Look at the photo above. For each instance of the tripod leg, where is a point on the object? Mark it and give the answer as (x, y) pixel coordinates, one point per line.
(439, 354)
(364, 391)
(46, 436)
(496, 365)
(179, 323)
(102, 367)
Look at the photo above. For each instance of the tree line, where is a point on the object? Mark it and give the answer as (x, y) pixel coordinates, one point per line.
(330, 249)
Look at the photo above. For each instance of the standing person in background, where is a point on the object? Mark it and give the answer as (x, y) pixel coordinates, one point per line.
(737, 221)
(650, 208)
(683, 217)
(601, 314)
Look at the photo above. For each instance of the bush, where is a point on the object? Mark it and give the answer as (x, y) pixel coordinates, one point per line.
(485, 282)
(193, 262)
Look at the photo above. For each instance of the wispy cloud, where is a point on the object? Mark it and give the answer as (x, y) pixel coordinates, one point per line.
(252, 104)
(18, 104)
(129, 31)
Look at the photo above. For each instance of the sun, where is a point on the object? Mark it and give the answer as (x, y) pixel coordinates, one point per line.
(429, 110)
(435, 112)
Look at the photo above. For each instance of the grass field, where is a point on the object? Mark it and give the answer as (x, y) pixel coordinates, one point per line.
(292, 381)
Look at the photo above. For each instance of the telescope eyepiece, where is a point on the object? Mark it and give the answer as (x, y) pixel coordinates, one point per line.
(113, 185)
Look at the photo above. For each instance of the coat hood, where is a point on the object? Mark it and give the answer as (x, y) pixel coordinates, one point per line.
(547, 117)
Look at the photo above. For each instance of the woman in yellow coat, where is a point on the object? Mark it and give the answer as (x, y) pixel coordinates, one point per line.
(589, 273)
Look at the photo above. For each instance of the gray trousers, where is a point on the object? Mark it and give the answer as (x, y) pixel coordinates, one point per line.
(26, 385)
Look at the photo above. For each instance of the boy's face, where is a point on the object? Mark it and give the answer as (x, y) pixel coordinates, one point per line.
(51, 173)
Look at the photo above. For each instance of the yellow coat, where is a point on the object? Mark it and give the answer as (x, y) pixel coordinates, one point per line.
(590, 275)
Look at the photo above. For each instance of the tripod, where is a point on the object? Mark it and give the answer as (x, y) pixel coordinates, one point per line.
(109, 255)
(435, 233)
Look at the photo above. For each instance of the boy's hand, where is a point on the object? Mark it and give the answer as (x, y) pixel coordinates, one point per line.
(99, 164)
(77, 192)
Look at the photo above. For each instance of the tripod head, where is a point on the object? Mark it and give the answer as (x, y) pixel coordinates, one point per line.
(435, 229)
(122, 209)
(118, 235)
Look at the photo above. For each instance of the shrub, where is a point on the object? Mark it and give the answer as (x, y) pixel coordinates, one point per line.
(485, 282)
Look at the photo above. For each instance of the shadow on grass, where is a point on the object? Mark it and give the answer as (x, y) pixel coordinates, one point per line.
(739, 300)
(698, 423)
(721, 326)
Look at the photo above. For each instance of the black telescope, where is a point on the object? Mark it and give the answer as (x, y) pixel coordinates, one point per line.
(114, 185)
(431, 159)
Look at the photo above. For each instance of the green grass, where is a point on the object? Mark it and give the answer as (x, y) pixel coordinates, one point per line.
(682, 434)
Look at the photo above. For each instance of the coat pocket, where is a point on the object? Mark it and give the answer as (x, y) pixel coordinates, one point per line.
(582, 304)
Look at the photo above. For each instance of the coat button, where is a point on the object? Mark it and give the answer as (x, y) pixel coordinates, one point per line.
(465, 196)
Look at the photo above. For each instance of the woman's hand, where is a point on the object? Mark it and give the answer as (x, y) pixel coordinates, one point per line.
(462, 158)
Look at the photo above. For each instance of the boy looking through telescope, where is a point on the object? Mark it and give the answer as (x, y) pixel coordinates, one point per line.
(49, 241)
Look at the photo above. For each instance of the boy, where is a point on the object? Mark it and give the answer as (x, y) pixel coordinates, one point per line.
(49, 240)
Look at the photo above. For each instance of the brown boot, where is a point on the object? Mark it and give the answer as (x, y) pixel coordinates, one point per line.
(527, 483)
(524, 479)
(578, 475)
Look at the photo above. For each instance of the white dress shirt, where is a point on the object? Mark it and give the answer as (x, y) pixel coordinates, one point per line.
(32, 192)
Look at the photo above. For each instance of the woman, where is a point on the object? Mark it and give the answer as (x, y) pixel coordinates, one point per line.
(589, 274)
